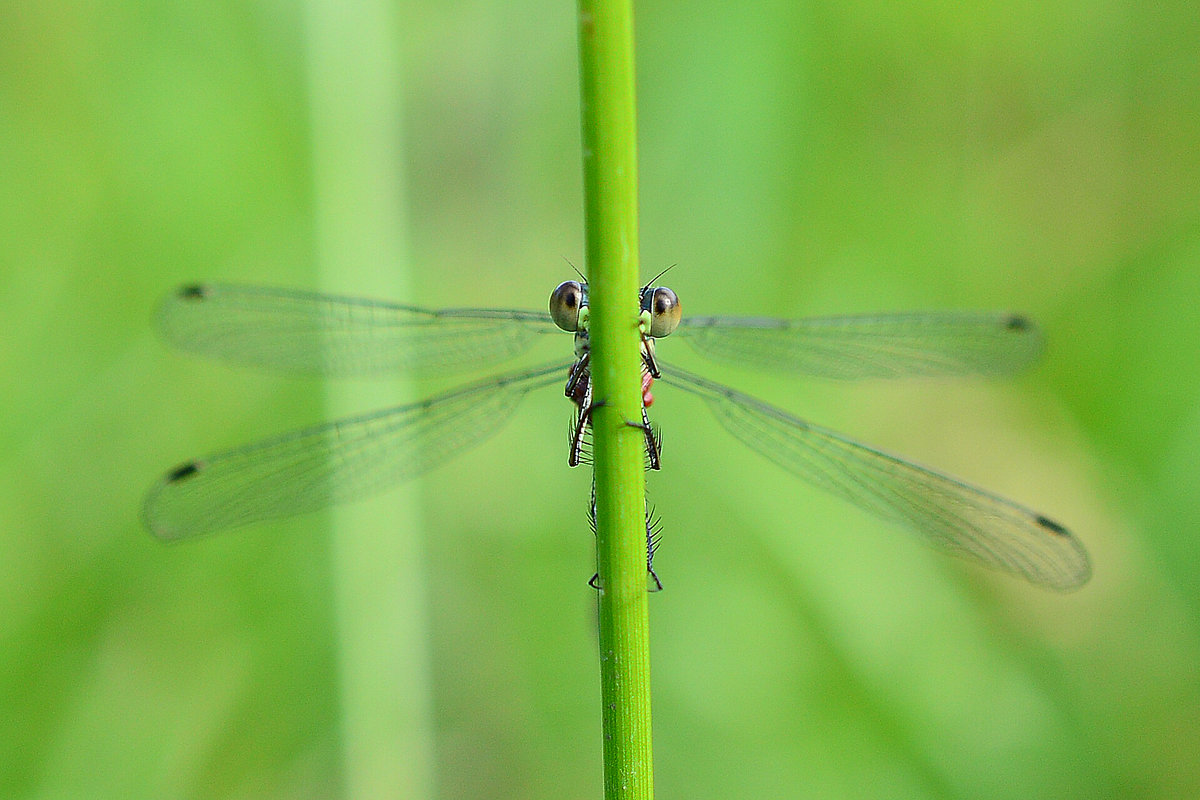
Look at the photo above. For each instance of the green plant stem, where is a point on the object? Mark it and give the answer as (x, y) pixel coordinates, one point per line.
(610, 200)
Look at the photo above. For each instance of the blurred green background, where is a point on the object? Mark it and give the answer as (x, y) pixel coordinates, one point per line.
(796, 159)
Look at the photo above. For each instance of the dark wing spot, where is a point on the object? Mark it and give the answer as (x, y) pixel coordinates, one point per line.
(183, 471)
(1051, 526)
(1016, 322)
(194, 292)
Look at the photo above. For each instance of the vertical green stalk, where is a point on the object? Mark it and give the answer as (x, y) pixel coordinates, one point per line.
(610, 200)
(376, 550)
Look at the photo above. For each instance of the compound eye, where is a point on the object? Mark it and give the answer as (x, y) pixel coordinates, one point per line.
(565, 302)
(665, 312)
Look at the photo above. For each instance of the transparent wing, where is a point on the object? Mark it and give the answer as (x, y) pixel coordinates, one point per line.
(302, 332)
(950, 514)
(339, 461)
(871, 346)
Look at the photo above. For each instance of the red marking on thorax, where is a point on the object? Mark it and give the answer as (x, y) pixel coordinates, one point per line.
(577, 397)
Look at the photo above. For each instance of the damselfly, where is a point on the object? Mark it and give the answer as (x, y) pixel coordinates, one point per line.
(306, 470)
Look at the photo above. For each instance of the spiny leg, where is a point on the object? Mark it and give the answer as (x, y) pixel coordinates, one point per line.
(653, 440)
(653, 535)
(579, 390)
